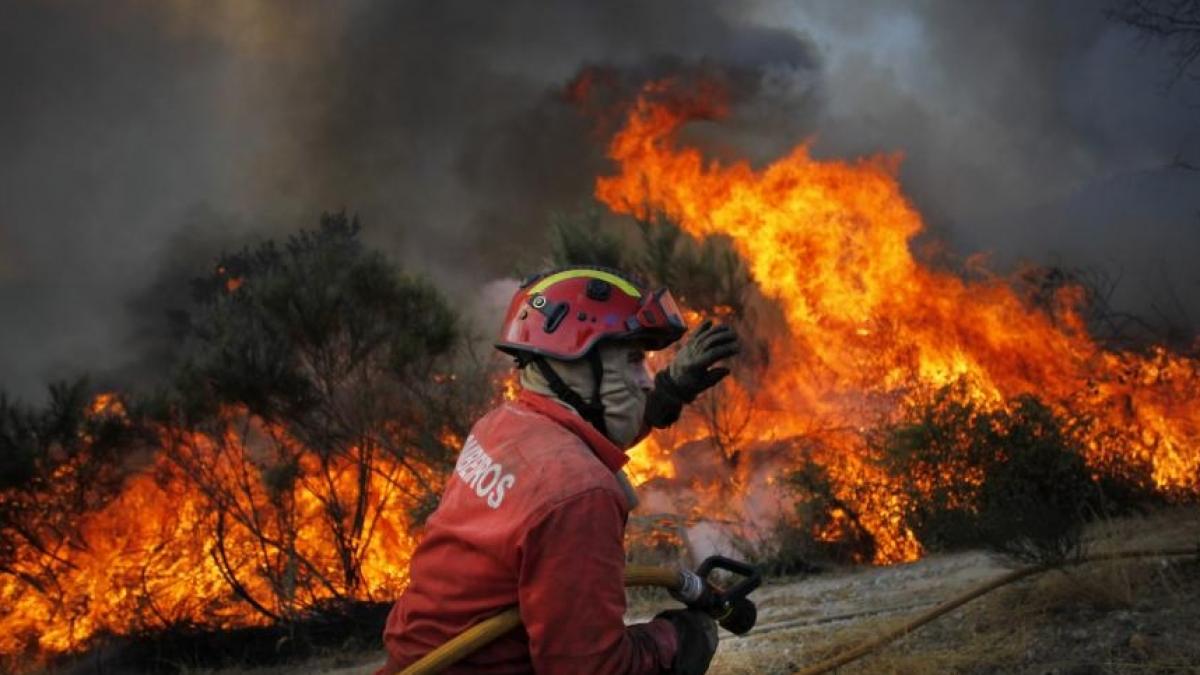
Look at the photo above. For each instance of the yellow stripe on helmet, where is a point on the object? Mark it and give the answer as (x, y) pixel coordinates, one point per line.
(613, 279)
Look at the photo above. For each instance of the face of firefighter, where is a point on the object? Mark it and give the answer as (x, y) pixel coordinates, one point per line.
(623, 388)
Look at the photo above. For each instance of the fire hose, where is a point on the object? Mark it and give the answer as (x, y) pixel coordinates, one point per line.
(731, 608)
(735, 612)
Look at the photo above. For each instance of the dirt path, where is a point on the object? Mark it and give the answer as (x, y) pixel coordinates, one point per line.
(1119, 617)
(1131, 617)
(826, 603)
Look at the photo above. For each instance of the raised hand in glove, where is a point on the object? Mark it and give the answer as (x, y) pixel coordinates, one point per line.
(697, 634)
(691, 372)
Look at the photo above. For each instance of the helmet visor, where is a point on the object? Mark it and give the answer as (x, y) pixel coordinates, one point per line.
(658, 321)
(667, 307)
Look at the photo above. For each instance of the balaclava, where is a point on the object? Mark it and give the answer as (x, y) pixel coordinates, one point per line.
(623, 387)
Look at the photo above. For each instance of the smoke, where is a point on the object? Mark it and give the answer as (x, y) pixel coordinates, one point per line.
(142, 137)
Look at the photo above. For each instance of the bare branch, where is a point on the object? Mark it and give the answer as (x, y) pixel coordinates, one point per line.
(1174, 23)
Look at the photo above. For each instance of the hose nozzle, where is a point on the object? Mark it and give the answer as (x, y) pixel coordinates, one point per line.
(732, 609)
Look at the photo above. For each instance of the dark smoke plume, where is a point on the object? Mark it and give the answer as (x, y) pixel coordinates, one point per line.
(141, 137)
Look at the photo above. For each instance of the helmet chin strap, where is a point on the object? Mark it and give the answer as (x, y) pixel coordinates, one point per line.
(592, 411)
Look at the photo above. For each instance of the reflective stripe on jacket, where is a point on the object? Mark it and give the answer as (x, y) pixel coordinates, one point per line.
(532, 516)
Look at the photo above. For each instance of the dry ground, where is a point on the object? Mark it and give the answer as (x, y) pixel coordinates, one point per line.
(1116, 617)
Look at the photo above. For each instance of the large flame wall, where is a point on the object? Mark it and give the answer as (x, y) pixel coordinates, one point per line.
(868, 326)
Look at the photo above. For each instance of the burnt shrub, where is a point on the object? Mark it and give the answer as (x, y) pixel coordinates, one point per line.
(836, 533)
(1010, 478)
(823, 526)
(787, 548)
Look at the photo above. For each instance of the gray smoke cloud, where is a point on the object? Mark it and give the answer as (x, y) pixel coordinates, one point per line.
(142, 138)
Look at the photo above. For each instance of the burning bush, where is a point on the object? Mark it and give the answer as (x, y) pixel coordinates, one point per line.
(321, 399)
(819, 528)
(331, 374)
(1011, 478)
(71, 458)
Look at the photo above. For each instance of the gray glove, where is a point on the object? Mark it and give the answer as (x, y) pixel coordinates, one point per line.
(690, 373)
(697, 640)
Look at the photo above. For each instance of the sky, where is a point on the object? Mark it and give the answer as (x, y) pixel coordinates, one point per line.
(141, 138)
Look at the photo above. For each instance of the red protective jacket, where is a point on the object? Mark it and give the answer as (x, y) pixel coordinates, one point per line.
(533, 516)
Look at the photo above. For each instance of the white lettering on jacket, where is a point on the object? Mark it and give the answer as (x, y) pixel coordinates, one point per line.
(482, 474)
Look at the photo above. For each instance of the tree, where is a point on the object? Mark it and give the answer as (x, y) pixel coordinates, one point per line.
(332, 377)
(579, 238)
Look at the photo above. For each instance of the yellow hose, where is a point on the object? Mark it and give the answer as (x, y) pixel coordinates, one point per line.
(471, 640)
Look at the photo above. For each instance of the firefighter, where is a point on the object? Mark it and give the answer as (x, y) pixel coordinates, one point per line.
(534, 513)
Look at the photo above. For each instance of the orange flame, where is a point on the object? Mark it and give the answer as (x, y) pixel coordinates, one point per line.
(165, 549)
(510, 385)
(868, 326)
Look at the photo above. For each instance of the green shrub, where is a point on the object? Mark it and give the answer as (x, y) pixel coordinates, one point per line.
(1011, 478)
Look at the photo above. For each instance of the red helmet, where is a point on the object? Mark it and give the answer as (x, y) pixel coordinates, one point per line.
(563, 313)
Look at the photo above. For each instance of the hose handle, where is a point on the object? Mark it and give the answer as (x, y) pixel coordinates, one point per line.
(731, 608)
(751, 577)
